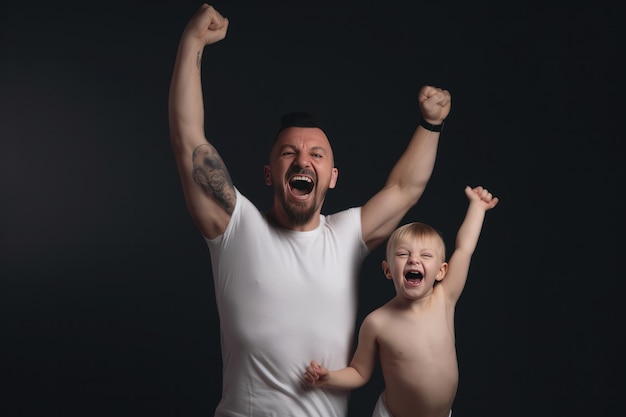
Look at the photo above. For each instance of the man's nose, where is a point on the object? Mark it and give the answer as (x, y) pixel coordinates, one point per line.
(303, 160)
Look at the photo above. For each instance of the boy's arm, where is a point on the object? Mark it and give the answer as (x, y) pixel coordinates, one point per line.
(357, 373)
(480, 200)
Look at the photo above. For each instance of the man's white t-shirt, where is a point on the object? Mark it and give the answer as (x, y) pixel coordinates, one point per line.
(284, 298)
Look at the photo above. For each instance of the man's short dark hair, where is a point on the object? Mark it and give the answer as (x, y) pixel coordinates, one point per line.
(298, 119)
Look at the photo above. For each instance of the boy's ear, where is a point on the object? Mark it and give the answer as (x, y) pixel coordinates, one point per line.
(443, 270)
(386, 269)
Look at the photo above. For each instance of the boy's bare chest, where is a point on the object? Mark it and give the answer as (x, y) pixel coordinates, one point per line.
(417, 335)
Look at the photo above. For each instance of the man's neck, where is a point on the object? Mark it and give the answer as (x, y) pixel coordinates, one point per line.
(280, 219)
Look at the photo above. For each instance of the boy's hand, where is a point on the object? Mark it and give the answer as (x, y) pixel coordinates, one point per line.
(481, 196)
(316, 375)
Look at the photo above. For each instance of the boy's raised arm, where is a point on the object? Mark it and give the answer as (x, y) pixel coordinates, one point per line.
(480, 200)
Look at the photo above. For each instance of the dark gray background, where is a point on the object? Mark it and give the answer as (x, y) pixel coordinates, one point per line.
(106, 303)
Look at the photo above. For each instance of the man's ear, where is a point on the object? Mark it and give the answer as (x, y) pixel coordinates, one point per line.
(386, 269)
(333, 178)
(443, 270)
(267, 171)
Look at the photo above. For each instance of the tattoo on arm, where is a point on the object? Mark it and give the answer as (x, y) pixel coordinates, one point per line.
(210, 173)
(199, 59)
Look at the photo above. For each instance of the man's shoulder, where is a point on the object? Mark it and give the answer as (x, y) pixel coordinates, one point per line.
(342, 214)
(347, 219)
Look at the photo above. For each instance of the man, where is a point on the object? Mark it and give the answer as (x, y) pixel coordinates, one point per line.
(285, 279)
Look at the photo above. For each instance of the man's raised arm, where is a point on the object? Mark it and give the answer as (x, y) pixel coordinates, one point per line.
(410, 175)
(209, 192)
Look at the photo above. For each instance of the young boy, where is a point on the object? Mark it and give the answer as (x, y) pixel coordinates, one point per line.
(413, 333)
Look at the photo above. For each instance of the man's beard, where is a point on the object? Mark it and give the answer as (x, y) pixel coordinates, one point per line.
(299, 214)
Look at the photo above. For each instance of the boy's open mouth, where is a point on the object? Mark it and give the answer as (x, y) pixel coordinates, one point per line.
(413, 278)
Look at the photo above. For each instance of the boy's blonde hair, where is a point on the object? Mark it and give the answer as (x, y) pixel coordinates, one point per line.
(416, 230)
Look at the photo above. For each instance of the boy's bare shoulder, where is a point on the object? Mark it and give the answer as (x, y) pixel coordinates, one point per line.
(379, 316)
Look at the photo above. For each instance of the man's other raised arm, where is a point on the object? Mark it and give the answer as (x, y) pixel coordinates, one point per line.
(410, 175)
(209, 192)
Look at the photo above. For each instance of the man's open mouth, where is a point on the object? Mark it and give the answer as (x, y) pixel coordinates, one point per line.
(301, 185)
